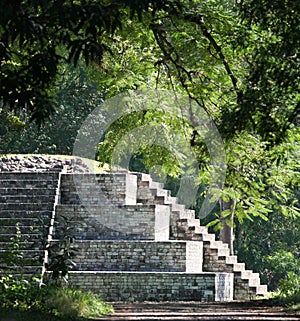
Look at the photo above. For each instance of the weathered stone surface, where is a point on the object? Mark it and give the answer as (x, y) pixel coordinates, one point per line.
(41, 163)
(149, 222)
(99, 189)
(154, 286)
(118, 255)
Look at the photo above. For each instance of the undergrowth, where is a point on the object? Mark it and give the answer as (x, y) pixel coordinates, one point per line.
(55, 301)
(288, 293)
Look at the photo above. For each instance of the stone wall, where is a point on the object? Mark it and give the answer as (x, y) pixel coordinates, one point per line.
(149, 222)
(154, 286)
(99, 189)
(177, 256)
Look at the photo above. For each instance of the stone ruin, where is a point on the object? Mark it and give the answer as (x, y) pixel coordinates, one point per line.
(135, 241)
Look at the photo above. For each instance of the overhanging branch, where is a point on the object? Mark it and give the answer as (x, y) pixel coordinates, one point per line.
(207, 34)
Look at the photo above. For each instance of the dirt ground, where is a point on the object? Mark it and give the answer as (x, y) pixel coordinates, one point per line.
(169, 311)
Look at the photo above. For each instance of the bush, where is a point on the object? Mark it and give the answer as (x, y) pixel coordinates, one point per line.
(18, 293)
(65, 303)
(290, 286)
(72, 303)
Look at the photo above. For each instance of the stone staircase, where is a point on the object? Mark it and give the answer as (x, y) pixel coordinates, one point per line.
(26, 208)
(125, 252)
(184, 226)
(135, 241)
(129, 241)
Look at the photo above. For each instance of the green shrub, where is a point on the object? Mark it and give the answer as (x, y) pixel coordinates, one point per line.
(18, 293)
(72, 303)
(290, 286)
(65, 303)
(288, 293)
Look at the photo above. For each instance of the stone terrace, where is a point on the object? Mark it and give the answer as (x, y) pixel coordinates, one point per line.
(135, 241)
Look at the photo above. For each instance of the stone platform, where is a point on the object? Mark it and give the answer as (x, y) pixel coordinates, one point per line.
(135, 241)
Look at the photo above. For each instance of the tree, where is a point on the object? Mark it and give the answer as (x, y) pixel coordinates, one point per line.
(34, 35)
(269, 101)
(220, 54)
(77, 95)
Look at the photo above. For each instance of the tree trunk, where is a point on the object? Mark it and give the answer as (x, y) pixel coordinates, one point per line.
(226, 234)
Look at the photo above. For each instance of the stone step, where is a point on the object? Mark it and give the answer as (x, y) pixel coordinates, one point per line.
(142, 177)
(155, 286)
(254, 281)
(218, 261)
(26, 199)
(238, 267)
(184, 214)
(156, 185)
(19, 214)
(248, 277)
(25, 257)
(198, 311)
(246, 274)
(32, 237)
(215, 245)
(149, 196)
(207, 238)
(21, 246)
(189, 222)
(261, 289)
(28, 176)
(221, 252)
(160, 192)
(189, 214)
(175, 207)
(231, 259)
(37, 183)
(27, 229)
(25, 269)
(173, 199)
(200, 229)
(11, 191)
(192, 316)
(26, 206)
(170, 200)
(28, 221)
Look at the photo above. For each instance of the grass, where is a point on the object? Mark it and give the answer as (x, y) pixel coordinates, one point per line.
(65, 302)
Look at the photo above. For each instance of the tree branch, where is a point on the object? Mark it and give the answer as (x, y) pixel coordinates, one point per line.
(206, 33)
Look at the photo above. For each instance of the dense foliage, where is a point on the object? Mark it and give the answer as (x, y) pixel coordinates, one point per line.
(65, 304)
(34, 33)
